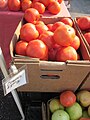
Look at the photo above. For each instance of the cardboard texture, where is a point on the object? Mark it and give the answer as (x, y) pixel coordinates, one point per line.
(47, 76)
(85, 83)
(81, 34)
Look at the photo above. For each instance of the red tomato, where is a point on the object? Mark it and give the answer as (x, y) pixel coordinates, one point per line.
(67, 98)
(67, 21)
(28, 32)
(54, 7)
(66, 53)
(87, 37)
(56, 25)
(20, 47)
(39, 6)
(31, 15)
(3, 3)
(14, 5)
(41, 27)
(50, 26)
(52, 52)
(84, 22)
(37, 49)
(76, 43)
(46, 2)
(47, 38)
(64, 35)
(82, 118)
(60, 1)
(25, 4)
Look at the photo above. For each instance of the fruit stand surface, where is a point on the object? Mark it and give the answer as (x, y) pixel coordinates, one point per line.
(8, 109)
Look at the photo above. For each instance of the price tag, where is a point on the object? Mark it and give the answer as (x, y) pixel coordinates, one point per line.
(12, 82)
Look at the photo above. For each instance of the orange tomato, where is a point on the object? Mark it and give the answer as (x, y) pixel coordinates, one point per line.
(84, 22)
(67, 21)
(20, 47)
(28, 32)
(3, 3)
(76, 42)
(56, 25)
(31, 15)
(25, 4)
(64, 35)
(14, 5)
(41, 27)
(66, 53)
(37, 49)
(46, 2)
(67, 98)
(87, 37)
(47, 38)
(39, 6)
(54, 7)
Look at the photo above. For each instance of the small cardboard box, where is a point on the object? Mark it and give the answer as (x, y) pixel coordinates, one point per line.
(48, 76)
(81, 34)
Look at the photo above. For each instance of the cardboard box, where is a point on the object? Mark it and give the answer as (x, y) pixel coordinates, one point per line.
(85, 85)
(48, 76)
(81, 34)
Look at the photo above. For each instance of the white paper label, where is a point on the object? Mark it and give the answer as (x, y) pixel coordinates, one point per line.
(14, 82)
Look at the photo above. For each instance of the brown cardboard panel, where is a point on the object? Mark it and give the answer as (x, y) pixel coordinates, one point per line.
(86, 83)
(47, 76)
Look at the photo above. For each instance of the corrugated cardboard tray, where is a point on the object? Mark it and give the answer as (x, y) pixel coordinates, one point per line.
(48, 76)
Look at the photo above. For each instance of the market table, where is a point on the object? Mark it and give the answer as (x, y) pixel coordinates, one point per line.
(8, 23)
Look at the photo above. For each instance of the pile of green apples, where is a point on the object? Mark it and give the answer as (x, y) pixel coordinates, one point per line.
(79, 109)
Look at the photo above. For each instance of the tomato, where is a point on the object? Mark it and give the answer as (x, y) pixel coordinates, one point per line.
(64, 35)
(28, 32)
(82, 118)
(52, 52)
(54, 7)
(87, 37)
(25, 4)
(50, 26)
(76, 43)
(39, 6)
(31, 15)
(84, 22)
(41, 27)
(67, 98)
(20, 47)
(67, 21)
(14, 5)
(46, 2)
(37, 49)
(66, 53)
(60, 1)
(3, 3)
(56, 25)
(47, 38)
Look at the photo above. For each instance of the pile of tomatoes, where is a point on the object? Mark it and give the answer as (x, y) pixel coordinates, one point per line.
(84, 25)
(55, 42)
(53, 6)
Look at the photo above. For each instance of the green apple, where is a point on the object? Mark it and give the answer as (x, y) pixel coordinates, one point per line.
(60, 115)
(74, 111)
(55, 105)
